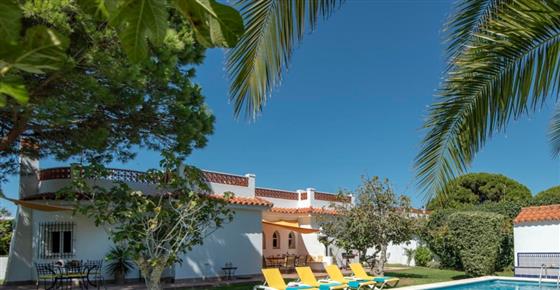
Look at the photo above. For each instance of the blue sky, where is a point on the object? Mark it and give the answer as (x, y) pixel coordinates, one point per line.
(352, 104)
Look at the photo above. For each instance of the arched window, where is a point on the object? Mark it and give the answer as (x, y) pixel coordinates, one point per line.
(276, 240)
(263, 241)
(291, 240)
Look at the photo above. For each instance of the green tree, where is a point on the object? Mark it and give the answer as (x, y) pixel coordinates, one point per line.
(378, 218)
(478, 188)
(87, 88)
(157, 227)
(31, 47)
(103, 106)
(503, 61)
(6, 231)
(548, 196)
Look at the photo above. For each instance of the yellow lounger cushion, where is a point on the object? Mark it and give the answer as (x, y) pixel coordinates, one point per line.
(307, 277)
(274, 280)
(336, 275)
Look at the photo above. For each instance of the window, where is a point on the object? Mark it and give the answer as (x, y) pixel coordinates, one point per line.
(291, 240)
(276, 240)
(56, 240)
(263, 241)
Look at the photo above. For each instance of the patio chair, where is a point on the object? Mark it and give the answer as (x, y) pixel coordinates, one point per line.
(360, 273)
(307, 277)
(94, 274)
(301, 261)
(46, 275)
(336, 275)
(290, 263)
(274, 281)
(73, 270)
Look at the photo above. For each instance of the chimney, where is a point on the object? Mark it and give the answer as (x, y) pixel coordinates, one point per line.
(252, 182)
(310, 195)
(303, 200)
(28, 170)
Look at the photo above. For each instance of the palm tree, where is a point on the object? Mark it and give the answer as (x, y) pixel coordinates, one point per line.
(272, 29)
(503, 63)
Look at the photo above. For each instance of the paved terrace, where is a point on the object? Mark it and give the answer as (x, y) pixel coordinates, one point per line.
(207, 284)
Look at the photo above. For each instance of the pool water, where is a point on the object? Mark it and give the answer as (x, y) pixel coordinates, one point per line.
(502, 285)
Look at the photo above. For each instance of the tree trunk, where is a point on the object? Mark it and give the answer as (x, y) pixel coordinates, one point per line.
(382, 259)
(152, 274)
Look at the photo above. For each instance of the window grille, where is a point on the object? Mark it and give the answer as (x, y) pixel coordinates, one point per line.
(56, 240)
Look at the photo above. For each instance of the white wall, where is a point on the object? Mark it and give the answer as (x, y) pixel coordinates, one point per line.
(536, 237)
(396, 253)
(238, 242)
(20, 258)
(3, 266)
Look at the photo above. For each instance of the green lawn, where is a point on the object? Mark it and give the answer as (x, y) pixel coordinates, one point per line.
(408, 277)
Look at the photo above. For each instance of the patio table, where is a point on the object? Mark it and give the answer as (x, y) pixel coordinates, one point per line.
(68, 273)
(229, 271)
(275, 261)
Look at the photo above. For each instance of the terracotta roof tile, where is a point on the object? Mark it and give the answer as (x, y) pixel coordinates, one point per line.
(252, 201)
(275, 193)
(538, 214)
(305, 210)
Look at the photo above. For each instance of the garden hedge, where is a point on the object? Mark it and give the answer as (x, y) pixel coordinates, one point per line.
(477, 237)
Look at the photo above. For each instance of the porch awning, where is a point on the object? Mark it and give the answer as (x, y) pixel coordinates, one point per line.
(291, 225)
(39, 206)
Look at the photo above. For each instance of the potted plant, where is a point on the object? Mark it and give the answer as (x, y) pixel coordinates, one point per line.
(119, 263)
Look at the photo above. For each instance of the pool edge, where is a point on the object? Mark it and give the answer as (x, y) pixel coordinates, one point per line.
(471, 280)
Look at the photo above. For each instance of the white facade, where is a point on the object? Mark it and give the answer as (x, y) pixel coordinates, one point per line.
(239, 242)
(539, 237)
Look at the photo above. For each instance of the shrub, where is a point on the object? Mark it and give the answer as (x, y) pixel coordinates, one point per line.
(477, 237)
(435, 235)
(422, 256)
(434, 264)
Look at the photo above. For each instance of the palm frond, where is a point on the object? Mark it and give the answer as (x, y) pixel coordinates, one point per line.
(469, 17)
(509, 68)
(273, 28)
(554, 132)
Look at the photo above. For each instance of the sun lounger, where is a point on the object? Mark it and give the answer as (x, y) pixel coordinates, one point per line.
(360, 273)
(353, 283)
(274, 281)
(307, 277)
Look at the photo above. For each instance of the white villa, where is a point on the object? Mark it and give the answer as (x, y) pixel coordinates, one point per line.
(536, 234)
(267, 222)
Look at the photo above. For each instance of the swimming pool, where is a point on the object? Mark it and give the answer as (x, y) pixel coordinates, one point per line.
(499, 284)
